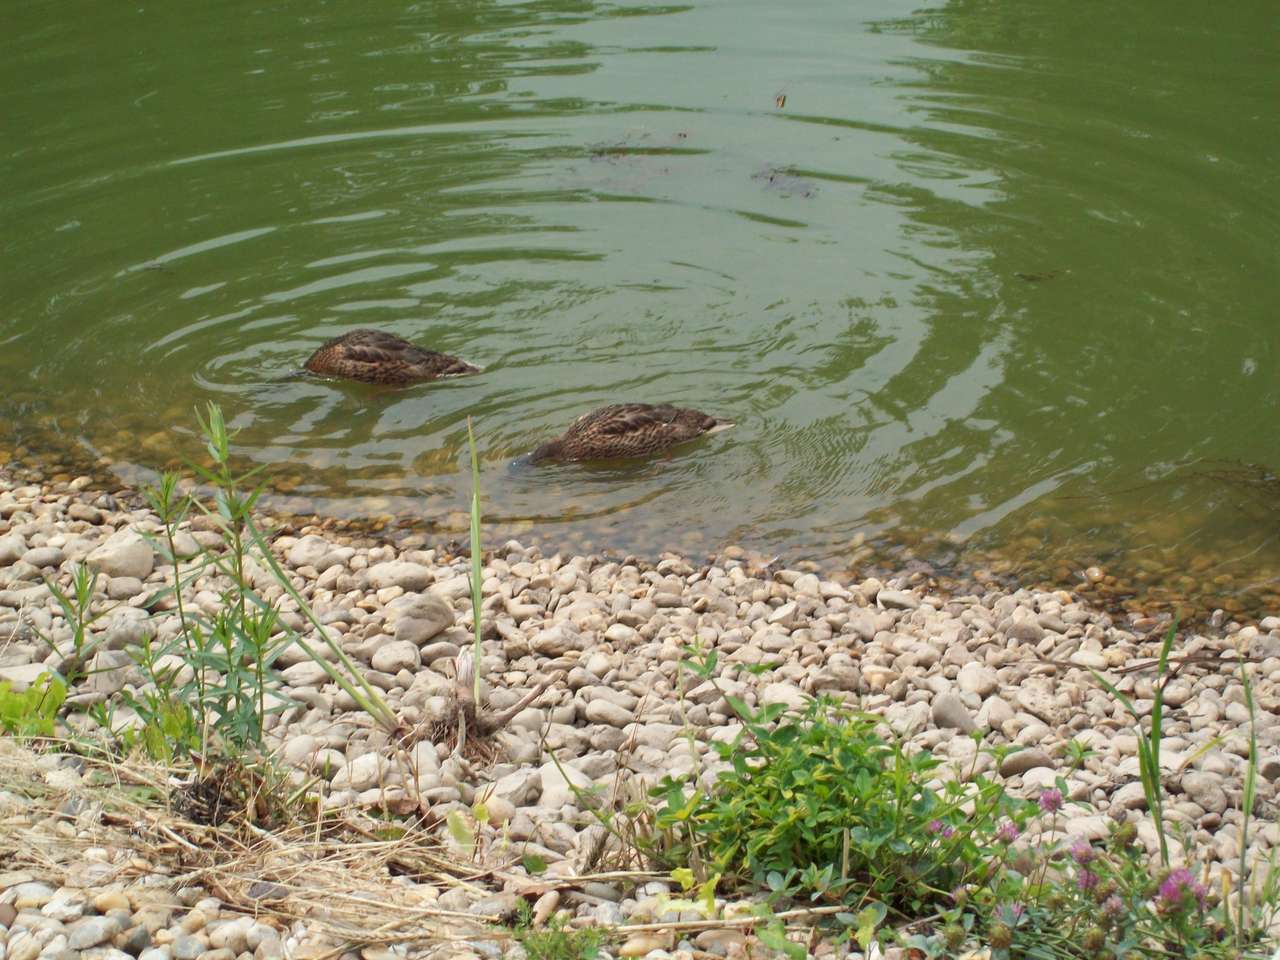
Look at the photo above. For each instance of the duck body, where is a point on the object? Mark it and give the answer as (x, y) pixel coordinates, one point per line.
(625, 430)
(375, 356)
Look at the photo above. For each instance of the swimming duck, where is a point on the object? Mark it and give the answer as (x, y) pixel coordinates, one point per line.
(375, 356)
(627, 430)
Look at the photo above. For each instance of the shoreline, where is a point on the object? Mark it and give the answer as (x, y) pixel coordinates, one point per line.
(925, 556)
(607, 636)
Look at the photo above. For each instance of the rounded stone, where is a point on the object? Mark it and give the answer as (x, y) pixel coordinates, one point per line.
(976, 678)
(396, 656)
(91, 931)
(400, 573)
(949, 712)
(603, 711)
(124, 554)
(1024, 760)
(44, 556)
(361, 773)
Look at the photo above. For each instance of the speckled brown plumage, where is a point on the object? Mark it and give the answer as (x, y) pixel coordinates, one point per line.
(375, 356)
(627, 430)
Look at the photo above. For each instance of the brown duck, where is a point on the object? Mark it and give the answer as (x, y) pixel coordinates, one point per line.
(627, 430)
(375, 356)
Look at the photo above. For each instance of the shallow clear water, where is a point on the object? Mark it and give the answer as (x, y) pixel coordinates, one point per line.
(1004, 276)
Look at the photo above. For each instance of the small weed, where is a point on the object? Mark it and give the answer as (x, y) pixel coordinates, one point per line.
(557, 940)
(477, 577)
(817, 806)
(1149, 742)
(75, 606)
(216, 702)
(34, 711)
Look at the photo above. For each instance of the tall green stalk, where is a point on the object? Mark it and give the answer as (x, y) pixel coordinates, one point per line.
(1149, 743)
(1247, 802)
(475, 557)
(172, 507)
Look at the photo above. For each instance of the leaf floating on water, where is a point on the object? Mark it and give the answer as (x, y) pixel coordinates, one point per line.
(780, 101)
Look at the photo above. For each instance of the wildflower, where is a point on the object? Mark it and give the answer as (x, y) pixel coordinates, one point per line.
(953, 935)
(1112, 907)
(1093, 940)
(937, 826)
(1051, 800)
(1007, 831)
(1178, 887)
(1025, 862)
(999, 936)
(960, 895)
(1086, 879)
(1082, 852)
(1124, 835)
(1010, 913)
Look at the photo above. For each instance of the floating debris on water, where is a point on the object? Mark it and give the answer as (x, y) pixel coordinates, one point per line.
(780, 181)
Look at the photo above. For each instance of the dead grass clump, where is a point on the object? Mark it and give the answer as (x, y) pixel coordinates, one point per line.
(470, 729)
(92, 822)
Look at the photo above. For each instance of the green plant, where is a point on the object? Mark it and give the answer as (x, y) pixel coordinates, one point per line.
(1149, 741)
(219, 705)
(557, 940)
(75, 607)
(816, 806)
(476, 574)
(1078, 753)
(1269, 893)
(34, 711)
(840, 814)
(230, 654)
(171, 730)
(173, 507)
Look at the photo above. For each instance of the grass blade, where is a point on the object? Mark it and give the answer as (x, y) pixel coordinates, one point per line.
(1250, 797)
(475, 555)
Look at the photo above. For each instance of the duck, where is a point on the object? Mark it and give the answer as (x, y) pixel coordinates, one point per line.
(626, 430)
(375, 356)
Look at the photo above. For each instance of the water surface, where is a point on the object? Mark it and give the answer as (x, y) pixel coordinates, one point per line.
(999, 282)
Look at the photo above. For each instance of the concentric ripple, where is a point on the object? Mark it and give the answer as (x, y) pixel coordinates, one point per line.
(986, 282)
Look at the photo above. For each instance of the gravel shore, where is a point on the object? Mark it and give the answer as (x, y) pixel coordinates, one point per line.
(612, 630)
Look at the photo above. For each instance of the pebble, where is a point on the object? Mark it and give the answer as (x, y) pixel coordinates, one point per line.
(12, 547)
(949, 712)
(396, 656)
(365, 771)
(898, 599)
(186, 947)
(976, 678)
(65, 905)
(602, 711)
(91, 931)
(1013, 667)
(44, 556)
(26, 895)
(124, 554)
(1024, 760)
(400, 573)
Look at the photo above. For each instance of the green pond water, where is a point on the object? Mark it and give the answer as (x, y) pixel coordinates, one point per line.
(993, 282)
